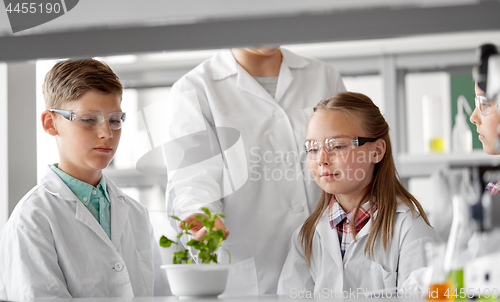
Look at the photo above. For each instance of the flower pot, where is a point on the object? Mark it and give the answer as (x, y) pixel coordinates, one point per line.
(195, 280)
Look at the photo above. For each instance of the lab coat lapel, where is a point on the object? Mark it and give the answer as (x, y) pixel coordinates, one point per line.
(119, 213)
(250, 85)
(224, 65)
(290, 62)
(54, 184)
(84, 216)
(366, 229)
(284, 81)
(330, 240)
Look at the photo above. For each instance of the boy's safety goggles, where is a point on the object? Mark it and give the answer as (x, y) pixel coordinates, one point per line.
(485, 105)
(334, 146)
(91, 120)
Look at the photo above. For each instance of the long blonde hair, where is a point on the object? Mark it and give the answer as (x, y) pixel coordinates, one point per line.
(384, 187)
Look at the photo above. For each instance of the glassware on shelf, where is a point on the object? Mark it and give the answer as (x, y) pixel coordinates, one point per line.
(461, 230)
(434, 130)
(439, 288)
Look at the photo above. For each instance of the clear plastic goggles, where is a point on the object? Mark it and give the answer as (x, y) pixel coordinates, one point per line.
(335, 146)
(92, 120)
(485, 105)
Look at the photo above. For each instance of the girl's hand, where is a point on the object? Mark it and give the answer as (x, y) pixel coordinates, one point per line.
(198, 230)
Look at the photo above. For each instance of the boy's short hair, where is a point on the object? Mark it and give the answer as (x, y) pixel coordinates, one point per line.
(69, 80)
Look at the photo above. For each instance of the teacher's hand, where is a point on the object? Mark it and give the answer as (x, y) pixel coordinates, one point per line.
(198, 230)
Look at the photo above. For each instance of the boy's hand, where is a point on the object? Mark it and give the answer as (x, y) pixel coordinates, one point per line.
(198, 230)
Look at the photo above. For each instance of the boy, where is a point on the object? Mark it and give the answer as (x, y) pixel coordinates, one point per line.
(76, 234)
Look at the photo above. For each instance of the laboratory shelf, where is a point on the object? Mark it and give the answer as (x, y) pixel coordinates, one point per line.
(408, 165)
(421, 165)
(134, 178)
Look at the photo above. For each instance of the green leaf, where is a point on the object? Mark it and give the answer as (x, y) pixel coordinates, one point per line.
(213, 244)
(181, 256)
(206, 211)
(165, 242)
(203, 220)
(199, 245)
(176, 218)
(202, 255)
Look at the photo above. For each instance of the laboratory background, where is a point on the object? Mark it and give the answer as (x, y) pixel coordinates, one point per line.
(413, 58)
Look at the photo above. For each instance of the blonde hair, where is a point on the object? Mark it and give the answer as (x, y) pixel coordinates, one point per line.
(384, 187)
(69, 80)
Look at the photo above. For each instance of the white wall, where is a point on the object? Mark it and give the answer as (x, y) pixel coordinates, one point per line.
(4, 178)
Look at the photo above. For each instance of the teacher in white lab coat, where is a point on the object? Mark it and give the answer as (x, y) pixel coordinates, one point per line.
(264, 96)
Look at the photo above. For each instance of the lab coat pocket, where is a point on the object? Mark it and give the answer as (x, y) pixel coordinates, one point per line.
(377, 278)
(242, 279)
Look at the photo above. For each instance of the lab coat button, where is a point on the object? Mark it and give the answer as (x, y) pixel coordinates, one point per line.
(297, 208)
(118, 267)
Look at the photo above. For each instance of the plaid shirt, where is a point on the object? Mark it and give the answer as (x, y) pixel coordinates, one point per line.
(342, 221)
(493, 188)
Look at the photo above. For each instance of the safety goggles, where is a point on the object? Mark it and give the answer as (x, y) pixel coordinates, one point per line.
(91, 120)
(335, 146)
(485, 105)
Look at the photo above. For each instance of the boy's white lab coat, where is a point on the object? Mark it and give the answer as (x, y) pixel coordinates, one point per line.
(52, 246)
(261, 215)
(357, 273)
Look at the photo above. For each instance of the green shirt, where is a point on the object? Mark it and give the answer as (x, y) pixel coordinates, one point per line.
(96, 200)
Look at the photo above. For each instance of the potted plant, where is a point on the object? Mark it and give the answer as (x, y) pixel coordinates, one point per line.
(201, 275)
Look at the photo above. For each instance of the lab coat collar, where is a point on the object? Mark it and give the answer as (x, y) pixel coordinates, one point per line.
(331, 240)
(292, 60)
(119, 209)
(223, 64)
(401, 208)
(55, 186)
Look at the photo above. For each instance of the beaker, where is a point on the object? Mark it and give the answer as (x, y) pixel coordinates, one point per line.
(439, 288)
(433, 123)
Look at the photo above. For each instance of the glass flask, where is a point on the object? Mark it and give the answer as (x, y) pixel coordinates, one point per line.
(439, 288)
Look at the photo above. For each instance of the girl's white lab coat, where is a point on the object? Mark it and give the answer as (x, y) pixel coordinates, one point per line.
(357, 273)
(52, 246)
(261, 215)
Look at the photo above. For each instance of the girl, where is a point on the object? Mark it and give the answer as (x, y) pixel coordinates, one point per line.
(367, 232)
(485, 115)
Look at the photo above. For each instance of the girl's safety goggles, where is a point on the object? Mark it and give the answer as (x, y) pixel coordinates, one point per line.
(485, 105)
(335, 145)
(92, 120)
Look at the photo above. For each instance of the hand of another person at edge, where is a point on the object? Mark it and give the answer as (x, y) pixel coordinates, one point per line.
(198, 230)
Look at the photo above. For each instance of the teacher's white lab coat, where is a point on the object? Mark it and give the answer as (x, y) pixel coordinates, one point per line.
(263, 212)
(356, 273)
(52, 246)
